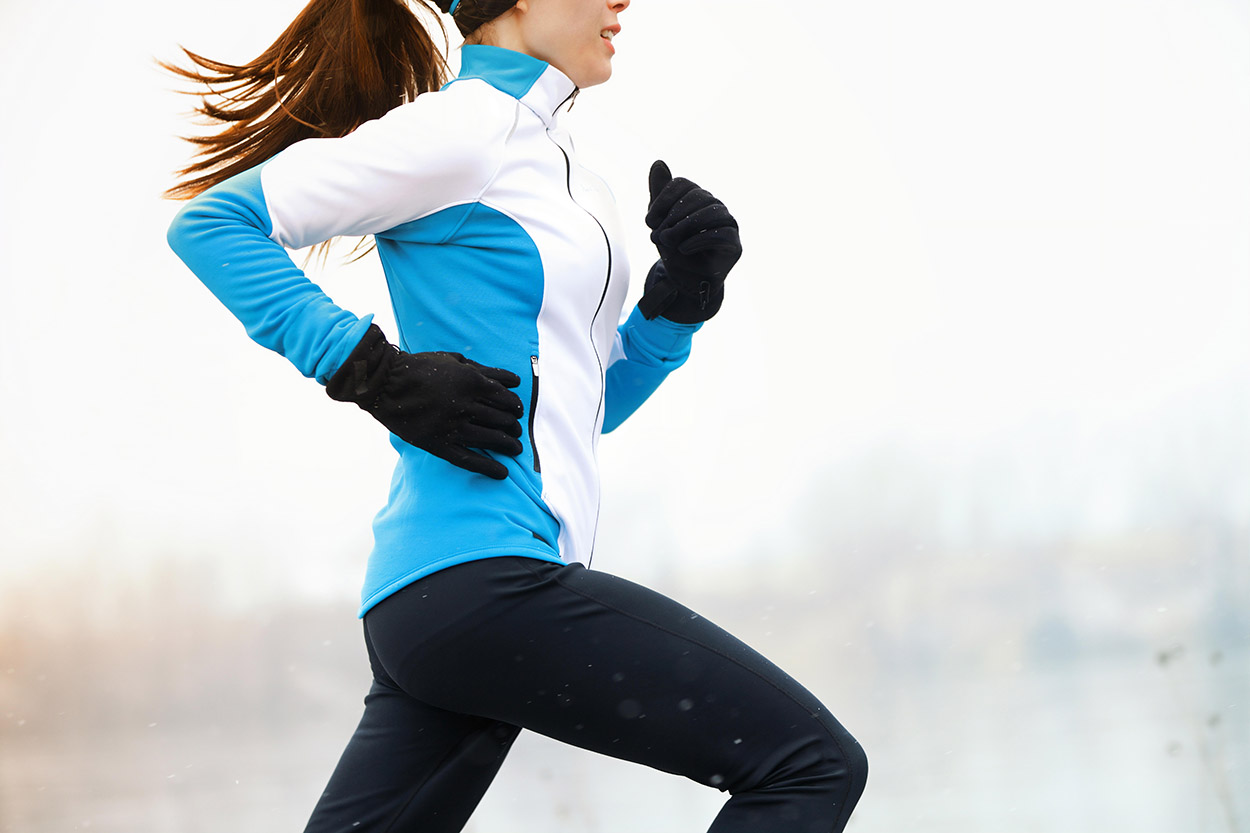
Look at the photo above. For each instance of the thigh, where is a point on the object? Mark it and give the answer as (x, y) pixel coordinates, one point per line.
(410, 767)
(601, 663)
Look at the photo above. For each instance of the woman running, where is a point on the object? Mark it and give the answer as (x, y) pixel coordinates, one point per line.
(506, 268)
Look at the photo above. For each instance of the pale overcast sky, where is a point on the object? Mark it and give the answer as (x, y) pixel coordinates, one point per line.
(974, 230)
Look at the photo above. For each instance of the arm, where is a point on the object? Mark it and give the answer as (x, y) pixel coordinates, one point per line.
(645, 352)
(234, 237)
(698, 242)
(223, 236)
(417, 158)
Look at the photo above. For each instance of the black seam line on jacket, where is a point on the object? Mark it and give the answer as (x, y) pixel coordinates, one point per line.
(690, 639)
(607, 281)
(416, 790)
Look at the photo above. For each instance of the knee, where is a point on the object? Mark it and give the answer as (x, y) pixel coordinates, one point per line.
(831, 763)
(811, 781)
(841, 765)
(840, 776)
(852, 769)
(844, 774)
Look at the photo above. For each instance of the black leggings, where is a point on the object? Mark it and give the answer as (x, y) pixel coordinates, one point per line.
(467, 657)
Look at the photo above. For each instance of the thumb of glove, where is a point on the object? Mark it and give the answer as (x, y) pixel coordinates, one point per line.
(658, 178)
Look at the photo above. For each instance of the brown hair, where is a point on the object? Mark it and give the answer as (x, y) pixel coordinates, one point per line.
(339, 64)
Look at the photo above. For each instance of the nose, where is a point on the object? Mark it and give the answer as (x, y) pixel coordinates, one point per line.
(618, 6)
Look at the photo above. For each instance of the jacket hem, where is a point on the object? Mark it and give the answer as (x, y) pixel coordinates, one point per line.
(451, 561)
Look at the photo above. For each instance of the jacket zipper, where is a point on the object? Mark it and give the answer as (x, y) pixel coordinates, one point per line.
(533, 410)
(607, 281)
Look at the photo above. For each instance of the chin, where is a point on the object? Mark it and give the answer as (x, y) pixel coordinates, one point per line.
(594, 78)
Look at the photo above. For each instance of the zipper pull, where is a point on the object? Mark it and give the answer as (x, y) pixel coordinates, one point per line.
(533, 410)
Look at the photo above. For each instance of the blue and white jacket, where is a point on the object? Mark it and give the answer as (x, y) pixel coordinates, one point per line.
(495, 244)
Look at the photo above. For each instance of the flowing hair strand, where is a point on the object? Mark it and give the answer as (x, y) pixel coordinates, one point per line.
(339, 64)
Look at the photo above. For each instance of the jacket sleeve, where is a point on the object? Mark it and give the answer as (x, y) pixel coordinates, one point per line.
(644, 353)
(416, 159)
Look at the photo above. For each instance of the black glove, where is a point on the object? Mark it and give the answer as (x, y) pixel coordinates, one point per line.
(441, 402)
(698, 242)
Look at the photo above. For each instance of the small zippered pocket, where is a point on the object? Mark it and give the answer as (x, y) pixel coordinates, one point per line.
(533, 409)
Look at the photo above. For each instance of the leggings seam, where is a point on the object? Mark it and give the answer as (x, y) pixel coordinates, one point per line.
(560, 580)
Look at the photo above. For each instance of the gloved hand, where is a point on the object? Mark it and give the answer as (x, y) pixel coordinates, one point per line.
(698, 242)
(441, 402)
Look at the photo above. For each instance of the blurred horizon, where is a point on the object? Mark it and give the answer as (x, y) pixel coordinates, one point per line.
(1117, 634)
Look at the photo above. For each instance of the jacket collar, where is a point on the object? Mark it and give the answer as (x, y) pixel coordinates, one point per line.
(536, 84)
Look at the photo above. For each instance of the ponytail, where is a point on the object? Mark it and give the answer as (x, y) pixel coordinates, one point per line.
(339, 64)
